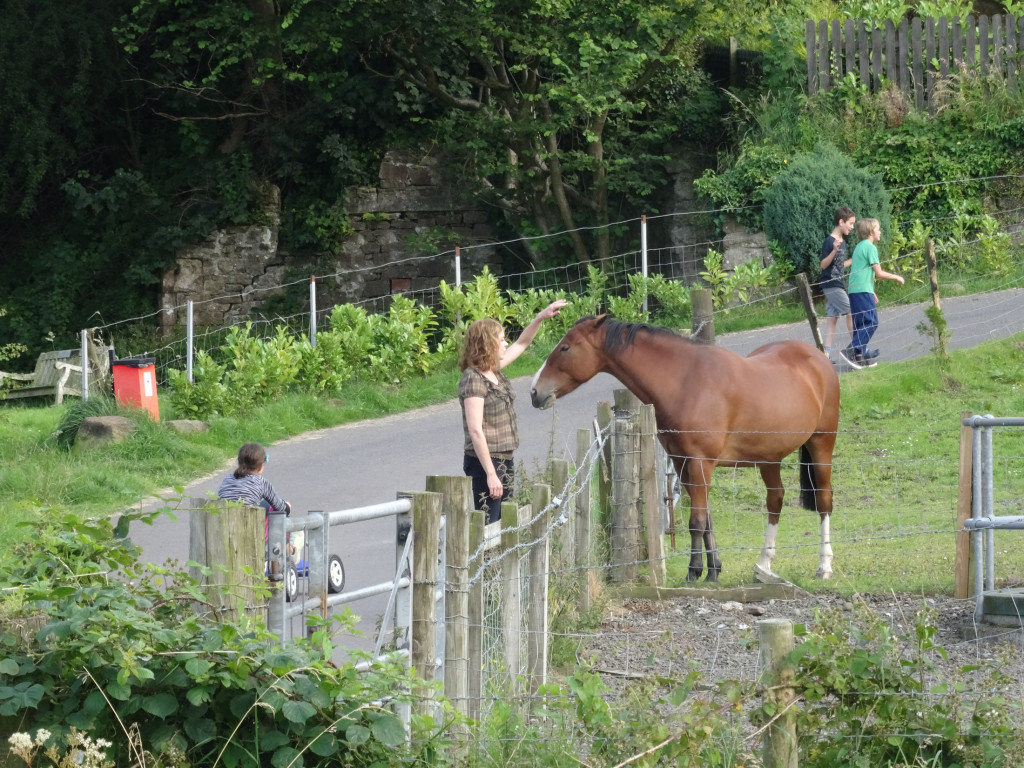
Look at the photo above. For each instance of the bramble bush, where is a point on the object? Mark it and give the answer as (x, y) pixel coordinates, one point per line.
(101, 654)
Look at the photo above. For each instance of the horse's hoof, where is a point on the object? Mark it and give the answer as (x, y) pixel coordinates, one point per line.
(691, 576)
(823, 574)
(765, 576)
(712, 577)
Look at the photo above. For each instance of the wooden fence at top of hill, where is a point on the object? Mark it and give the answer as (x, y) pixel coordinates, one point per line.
(917, 56)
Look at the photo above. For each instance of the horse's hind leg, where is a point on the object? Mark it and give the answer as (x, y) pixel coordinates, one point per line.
(772, 477)
(816, 454)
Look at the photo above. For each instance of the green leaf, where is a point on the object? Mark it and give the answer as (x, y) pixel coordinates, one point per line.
(201, 729)
(324, 745)
(287, 757)
(298, 711)
(388, 730)
(271, 740)
(119, 691)
(197, 667)
(160, 705)
(198, 695)
(357, 734)
(8, 667)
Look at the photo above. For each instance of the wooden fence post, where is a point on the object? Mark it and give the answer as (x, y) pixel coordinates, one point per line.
(702, 312)
(457, 503)
(584, 469)
(558, 469)
(475, 614)
(225, 535)
(625, 481)
(511, 595)
(604, 462)
(780, 742)
(537, 616)
(807, 300)
(651, 495)
(426, 527)
(964, 500)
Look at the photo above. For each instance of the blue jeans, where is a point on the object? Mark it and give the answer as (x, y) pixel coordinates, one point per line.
(481, 496)
(865, 319)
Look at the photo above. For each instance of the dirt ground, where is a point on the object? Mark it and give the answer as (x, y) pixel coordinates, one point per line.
(641, 637)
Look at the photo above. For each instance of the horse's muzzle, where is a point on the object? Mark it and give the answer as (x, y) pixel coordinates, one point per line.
(542, 401)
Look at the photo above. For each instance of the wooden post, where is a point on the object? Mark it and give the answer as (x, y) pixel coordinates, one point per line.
(703, 313)
(558, 469)
(933, 277)
(812, 317)
(776, 641)
(604, 462)
(811, 68)
(457, 503)
(511, 608)
(625, 479)
(228, 538)
(964, 499)
(651, 489)
(733, 63)
(584, 469)
(933, 271)
(537, 615)
(475, 615)
(426, 526)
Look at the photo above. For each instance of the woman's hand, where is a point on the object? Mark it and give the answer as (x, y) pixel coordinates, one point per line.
(494, 486)
(551, 309)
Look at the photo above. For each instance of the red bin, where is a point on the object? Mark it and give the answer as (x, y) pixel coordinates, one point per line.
(135, 384)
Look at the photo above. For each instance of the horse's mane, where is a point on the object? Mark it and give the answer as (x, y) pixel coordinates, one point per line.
(619, 335)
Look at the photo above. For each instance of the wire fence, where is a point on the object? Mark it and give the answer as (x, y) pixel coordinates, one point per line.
(894, 527)
(679, 262)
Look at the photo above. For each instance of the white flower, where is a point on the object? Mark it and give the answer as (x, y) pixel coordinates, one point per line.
(20, 741)
(41, 736)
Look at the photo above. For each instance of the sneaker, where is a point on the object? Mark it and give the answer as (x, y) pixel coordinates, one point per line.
(867, 361)
(871, 354)
(852, 358)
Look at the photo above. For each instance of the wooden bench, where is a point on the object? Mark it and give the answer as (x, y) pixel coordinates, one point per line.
(57, 373)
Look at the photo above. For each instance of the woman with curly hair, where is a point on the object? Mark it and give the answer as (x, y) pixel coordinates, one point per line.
(488, 412)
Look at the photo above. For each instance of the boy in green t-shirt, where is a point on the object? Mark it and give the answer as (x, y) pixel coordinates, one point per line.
(863, 301)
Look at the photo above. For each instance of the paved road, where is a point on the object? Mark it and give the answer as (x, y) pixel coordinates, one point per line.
(370, 462)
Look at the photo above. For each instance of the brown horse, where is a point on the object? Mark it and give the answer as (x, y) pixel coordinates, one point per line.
(715, 408)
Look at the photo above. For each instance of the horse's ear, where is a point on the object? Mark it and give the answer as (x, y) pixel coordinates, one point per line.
(601, 319)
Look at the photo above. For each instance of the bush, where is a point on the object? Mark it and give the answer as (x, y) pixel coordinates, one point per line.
(129, 655)
(800, 204)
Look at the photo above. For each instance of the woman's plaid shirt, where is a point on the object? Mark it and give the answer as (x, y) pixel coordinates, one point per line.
(500, 427)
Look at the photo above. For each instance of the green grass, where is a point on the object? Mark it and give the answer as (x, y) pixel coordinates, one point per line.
(895, 480)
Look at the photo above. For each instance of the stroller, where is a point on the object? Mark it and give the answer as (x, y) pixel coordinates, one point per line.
(297, 564)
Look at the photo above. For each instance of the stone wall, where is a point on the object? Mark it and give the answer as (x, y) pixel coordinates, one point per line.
(398, 227)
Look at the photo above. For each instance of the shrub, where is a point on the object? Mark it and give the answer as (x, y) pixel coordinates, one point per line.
(117, 656)
(800, 203)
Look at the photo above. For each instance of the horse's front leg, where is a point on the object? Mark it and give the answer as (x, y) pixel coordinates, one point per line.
(696, 479)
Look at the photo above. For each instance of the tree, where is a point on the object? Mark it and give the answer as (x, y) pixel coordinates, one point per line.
(549, 105)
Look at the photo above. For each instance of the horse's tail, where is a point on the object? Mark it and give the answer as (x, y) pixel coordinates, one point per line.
(806, 480)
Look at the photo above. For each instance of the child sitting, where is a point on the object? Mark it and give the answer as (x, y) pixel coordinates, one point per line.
(248, 485)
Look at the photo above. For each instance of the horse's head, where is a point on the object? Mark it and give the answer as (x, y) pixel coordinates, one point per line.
(576, 359)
